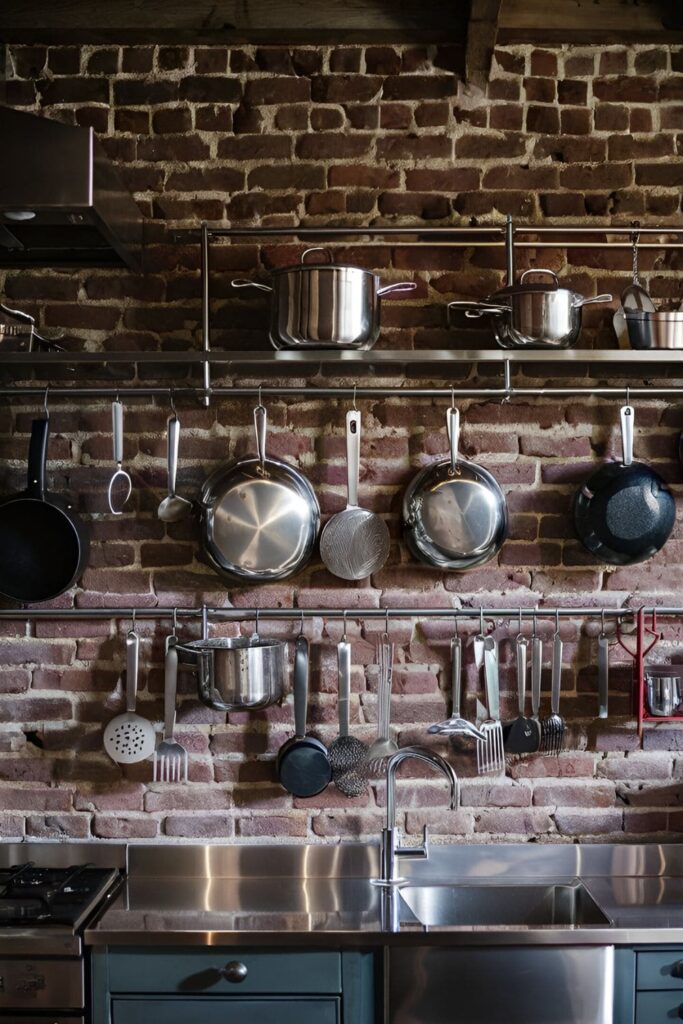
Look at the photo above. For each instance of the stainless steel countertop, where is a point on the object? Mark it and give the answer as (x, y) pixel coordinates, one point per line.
(322, 895)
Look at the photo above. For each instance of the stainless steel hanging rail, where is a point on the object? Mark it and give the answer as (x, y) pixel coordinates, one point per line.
(295, 614)
(313, 393)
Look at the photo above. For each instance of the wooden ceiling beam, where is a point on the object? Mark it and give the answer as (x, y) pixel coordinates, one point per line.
(233, 21)
(587, 22)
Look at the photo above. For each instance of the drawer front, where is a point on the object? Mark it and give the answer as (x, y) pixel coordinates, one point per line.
(224, 972)
(658, 1007)
(40, 984)
(660, 970)
(226, 1011)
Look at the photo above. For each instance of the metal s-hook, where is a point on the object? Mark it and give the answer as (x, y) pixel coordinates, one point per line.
(355, 407)
(301, 622)
(386, 621)
(557, 622)
(344, 614)
(171, 397)
(175, 622)
(45, 405)
(132, 628)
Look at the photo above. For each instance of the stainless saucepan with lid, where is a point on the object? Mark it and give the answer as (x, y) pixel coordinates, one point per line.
(325, 305)
(526, 315)
(237, 673)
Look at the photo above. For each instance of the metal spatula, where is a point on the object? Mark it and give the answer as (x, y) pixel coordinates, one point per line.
(490, 751)
(521, 735)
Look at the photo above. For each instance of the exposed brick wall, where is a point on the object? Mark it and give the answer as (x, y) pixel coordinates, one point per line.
(267, 135)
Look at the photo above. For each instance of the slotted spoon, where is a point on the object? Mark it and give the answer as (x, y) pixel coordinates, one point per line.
(130, 738)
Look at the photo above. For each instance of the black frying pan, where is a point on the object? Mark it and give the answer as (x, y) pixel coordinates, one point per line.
(303, 763)
(624, 512)
(43, 543)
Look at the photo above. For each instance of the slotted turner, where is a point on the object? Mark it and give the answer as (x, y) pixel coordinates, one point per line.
(490, 751)
(521, 735)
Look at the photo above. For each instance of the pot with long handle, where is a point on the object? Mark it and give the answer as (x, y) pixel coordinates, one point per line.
(624, 512)
(325, 305)
(454, 511)
(533, 315)
(44, 544)
(259, 516)
(303, 763)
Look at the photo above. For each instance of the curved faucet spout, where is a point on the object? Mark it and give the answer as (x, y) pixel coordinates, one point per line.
(390, 850)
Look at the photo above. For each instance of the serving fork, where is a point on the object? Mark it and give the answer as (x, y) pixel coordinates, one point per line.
(170, 757)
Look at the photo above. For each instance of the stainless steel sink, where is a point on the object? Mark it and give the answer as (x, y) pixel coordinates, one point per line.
(564, 905)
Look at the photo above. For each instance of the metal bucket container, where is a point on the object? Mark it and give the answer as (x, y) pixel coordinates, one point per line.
(654, 330)
(237, 673)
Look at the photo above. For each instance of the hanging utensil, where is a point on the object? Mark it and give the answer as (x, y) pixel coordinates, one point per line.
(259, 516)
(624, 512)
(44, 544)
(552, 727)
(355, 542)
(170, 757)
(490, 751)
(536, 679)
(129, 737)
(348, 755)
(173, 507)
(454, 511)
(303, 764)
(634, 298)
(521, 735)
(383, 747)
(603, 670)
(456, 725)
(120, 485)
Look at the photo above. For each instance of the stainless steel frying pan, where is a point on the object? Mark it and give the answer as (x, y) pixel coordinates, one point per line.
(260, 516)
(454, 512)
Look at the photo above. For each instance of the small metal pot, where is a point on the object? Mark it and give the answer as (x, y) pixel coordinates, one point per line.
(663, 692)
(654, 330)
(533, 315)
(325, 305)
(237, 673)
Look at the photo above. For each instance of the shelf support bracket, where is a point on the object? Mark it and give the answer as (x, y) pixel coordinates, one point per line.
(206, 331)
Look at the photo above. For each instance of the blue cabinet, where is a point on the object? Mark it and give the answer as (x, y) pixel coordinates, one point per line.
(232, 986)
(649, 985)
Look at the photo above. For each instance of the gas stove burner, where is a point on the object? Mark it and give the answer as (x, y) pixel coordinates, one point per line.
(27, 910)
(53, 896)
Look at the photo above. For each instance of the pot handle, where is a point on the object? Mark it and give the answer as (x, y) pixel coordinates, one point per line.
(627, 418)
(243, 282)
(352, 455)
(474, 310)
(260, 426)
(400, 286)
(300, 685)
(588, 302)
(539, 270)
(317, 248)
(37, 457)
(453, 428)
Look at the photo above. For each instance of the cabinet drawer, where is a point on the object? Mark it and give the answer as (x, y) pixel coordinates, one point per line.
(225, 1011)
(658, 1007)
(204, 971)
(660, 970)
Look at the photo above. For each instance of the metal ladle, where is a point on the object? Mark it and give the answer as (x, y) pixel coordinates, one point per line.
(121, 479)
(173, 507)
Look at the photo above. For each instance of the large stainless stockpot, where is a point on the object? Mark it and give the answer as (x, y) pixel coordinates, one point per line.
(325, 305)
(653, 329)
(238, 673)
(533, 315)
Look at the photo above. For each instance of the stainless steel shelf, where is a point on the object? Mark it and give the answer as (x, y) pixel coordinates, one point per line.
(376, 357)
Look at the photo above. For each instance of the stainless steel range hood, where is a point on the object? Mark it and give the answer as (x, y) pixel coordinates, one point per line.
(62, 202)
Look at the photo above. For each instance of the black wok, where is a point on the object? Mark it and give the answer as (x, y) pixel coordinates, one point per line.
(43, 543)
(624, 513)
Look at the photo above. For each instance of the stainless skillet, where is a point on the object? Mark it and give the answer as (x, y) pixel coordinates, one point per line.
(260, 516)
(454, 511)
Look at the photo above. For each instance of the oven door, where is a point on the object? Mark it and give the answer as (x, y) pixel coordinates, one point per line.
(36, 983)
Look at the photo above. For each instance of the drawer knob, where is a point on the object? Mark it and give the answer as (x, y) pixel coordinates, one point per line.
(677, 969)
(235, 971)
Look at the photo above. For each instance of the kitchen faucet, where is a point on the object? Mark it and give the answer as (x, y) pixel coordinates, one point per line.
(390, 851)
